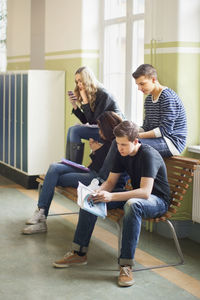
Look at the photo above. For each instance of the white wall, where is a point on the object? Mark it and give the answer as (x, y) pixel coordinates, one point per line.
(90, 24)
(161, 26)
(172, 20)
(18, 31)
(189, 20)
(63, 25)
(69, 25)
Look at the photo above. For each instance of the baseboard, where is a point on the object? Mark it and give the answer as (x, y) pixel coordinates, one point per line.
(29, 182)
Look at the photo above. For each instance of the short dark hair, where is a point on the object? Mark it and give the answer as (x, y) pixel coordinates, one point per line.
(107, 122)
(145, 70)
(127, 129)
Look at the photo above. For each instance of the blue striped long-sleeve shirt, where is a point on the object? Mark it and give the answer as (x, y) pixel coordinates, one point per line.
(168, 115)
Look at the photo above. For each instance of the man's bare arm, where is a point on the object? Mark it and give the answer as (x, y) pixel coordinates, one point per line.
(110, 183)
(144, 191)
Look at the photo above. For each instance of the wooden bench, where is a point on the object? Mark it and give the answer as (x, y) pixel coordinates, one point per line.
(180, 173)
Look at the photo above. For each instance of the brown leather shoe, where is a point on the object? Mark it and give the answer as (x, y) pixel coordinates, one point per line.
(70, 259)
(126, 276)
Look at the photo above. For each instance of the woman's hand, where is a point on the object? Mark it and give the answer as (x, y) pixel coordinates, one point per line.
(94, 145)
(72, 99)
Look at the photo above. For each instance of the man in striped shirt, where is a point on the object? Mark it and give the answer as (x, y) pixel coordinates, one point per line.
(165, 124)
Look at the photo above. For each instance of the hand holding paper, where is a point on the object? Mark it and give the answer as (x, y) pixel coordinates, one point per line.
(102, 196)
(85, 202)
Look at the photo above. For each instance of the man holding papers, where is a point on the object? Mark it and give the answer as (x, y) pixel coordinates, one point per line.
(148, 198)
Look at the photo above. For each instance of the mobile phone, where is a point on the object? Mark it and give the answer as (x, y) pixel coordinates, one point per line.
(72, 96)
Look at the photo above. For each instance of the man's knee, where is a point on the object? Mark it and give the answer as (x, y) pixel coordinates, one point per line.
(133, 206)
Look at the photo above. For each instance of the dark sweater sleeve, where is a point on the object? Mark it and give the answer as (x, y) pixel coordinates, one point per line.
(80, 115)
(104, 102)
(99, 156)
(108, 162)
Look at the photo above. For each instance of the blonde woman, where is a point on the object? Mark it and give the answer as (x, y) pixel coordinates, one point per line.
(89, 100)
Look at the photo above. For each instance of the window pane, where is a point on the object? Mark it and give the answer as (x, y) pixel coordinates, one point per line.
(138, 6)
(114, 9)
(138, 59)
(114, 61)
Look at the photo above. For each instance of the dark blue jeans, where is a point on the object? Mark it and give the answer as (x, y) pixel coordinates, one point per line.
(159, 144)
(77, 132)
(135, 210)
(63, 175)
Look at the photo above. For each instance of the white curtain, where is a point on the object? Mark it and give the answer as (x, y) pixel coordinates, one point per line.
(3, 26)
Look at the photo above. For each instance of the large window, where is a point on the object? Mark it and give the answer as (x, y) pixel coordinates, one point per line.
(123, 35)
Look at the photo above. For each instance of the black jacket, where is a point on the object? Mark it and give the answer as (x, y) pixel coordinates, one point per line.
(99, 156)
(104, 102)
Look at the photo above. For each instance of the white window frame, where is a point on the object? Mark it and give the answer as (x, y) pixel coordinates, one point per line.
(133, 109)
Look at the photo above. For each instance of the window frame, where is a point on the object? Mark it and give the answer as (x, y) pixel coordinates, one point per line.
(129, 20)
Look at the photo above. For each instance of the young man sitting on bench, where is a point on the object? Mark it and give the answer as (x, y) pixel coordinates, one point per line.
(149, 198)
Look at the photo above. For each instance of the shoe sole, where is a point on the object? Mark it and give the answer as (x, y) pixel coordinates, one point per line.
(55, 265)
(31, 223)
(29, 233)
(126, 283)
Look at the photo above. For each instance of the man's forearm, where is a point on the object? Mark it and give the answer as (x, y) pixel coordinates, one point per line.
(107, 186)
(124, 196)
(147, 135)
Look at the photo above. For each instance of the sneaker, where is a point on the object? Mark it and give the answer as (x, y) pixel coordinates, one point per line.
(126, 276)
(36, 228)
(71, 259)
(38, 214)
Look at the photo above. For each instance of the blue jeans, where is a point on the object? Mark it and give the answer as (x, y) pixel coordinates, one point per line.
(134, 211)
(78, 132)
(62, 175)
(159, 144)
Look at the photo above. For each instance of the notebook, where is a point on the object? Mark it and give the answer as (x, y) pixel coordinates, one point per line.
(74, 164)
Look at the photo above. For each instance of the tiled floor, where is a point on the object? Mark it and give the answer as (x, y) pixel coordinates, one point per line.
(26, 271)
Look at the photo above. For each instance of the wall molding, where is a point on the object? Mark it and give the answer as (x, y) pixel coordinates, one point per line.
(69, 54)
(172, 47)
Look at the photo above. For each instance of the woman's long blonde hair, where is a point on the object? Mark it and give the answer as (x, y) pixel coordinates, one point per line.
(91, 84)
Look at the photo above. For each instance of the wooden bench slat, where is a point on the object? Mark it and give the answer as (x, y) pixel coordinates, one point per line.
(175, 203)
(178, 189)
(176, 159)
(182, 165)
(176, 183)
(177, 197)
(172, 210)
(179, 178)
(180, 172)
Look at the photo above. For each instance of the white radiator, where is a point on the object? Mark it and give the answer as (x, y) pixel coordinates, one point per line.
(196, 196)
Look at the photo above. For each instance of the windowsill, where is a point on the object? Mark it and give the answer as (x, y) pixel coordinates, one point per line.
(195, 149)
